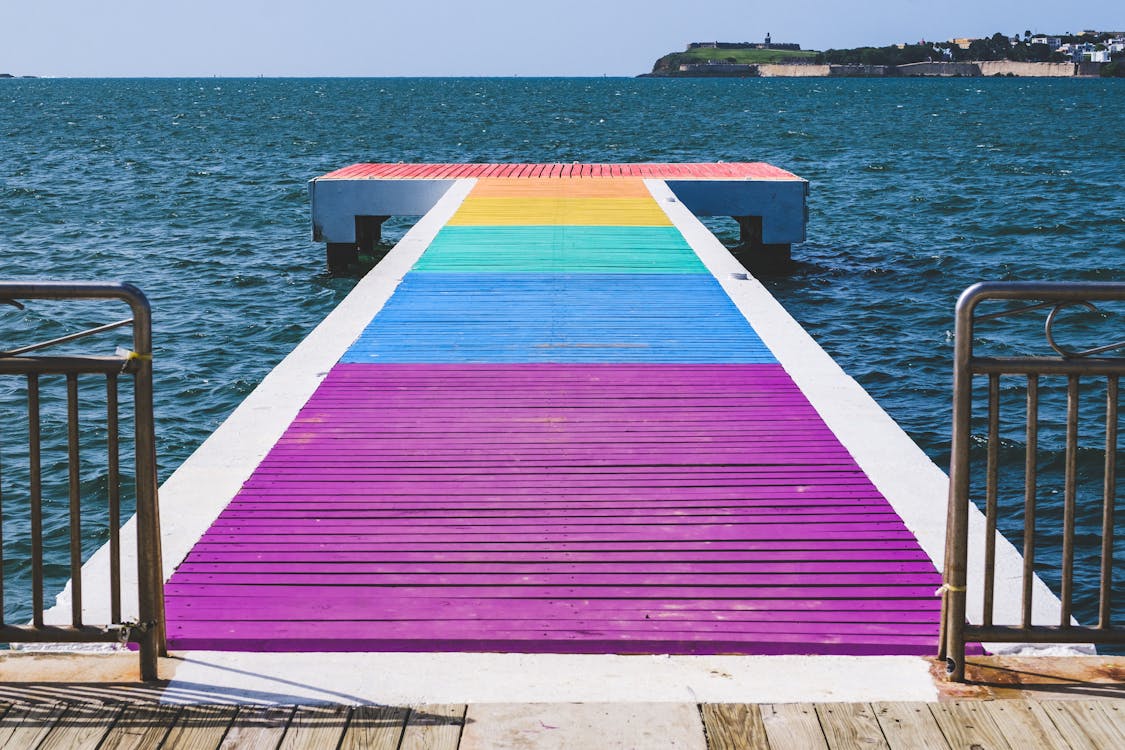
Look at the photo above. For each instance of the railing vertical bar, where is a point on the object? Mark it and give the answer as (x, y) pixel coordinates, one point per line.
(1109, 500)
(150, 594)
(955, 570)
(990, 511)
(74, 480)
(35, 490)
(113, 479)
(1031, 471)
(1069, 494)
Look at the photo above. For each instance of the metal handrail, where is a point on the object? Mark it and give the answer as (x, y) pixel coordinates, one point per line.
(149, 631)
(1072, 365)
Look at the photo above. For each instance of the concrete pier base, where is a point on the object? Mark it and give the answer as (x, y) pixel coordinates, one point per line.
(368, 235)
(341, 255)
(758, 256)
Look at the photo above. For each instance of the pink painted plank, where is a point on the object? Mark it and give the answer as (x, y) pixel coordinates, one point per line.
(306, 574)
(393, 604)
(522, 629)
(423, 515)
(360, 609)
(543, 643)
(382, 573)
(217, 552)
(771, 547)
(213, 585)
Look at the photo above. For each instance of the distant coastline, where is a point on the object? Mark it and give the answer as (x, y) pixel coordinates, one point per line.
(968, 69)
(1090, 54)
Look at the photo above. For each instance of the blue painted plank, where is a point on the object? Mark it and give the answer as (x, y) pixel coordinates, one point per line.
(507, 318)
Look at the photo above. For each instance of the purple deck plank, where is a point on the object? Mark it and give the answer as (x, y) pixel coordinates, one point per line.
(558, 508)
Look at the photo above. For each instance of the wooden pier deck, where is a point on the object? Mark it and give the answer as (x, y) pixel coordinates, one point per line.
(990, 725)
(559, 435)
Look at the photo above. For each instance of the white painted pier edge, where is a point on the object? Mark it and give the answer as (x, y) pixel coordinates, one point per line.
(915, 487)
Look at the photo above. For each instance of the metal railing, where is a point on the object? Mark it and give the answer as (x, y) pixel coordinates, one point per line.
(1030, 373)
(148, 631)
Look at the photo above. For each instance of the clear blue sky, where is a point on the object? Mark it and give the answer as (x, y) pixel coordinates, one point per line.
(474, 37)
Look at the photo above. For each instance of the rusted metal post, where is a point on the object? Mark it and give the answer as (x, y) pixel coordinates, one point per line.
(955, 573)
(150, 574)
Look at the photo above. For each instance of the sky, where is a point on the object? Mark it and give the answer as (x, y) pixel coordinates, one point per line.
(113, 38)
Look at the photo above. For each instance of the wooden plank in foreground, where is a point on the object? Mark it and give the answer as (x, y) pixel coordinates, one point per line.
(850, 725)
(434, 727)
(1085, 725)
(27, 725)
(200, 727)
(314, 727)
(734, 726)
(966, 724)
(907, 726)
(1024, 725)
(82, 727)
(375, 728)
(140, 727)
(257, 728)
(793, 725)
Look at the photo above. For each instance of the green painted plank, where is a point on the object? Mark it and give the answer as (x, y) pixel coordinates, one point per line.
(560, 249)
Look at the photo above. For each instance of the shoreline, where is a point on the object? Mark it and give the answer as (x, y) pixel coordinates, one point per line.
(975, 69)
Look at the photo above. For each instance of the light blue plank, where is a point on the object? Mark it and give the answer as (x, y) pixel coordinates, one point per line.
(505, 318)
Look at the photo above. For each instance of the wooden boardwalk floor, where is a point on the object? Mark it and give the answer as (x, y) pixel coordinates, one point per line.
(559, 435)
(986, 725)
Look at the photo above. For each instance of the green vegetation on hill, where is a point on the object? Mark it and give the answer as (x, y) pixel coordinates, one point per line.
(673, 61)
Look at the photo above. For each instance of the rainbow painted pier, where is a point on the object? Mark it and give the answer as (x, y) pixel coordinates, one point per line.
(557, 445)
(560, 434)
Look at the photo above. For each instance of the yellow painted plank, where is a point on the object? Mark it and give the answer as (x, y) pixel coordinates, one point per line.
(550, 211)
(909, 726)
(850, 726)
(434, 727)
(574, 187)
(734, 726)
(793, 726)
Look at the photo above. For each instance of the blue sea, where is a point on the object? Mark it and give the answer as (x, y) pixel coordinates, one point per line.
(195, 190)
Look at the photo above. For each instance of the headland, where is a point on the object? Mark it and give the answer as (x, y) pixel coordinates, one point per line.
(1090, 54)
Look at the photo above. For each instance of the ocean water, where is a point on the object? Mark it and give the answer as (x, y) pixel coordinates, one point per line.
(195, 191)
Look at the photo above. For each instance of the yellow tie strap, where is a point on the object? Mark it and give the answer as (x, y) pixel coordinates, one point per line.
(127, 354)
(949, 588)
